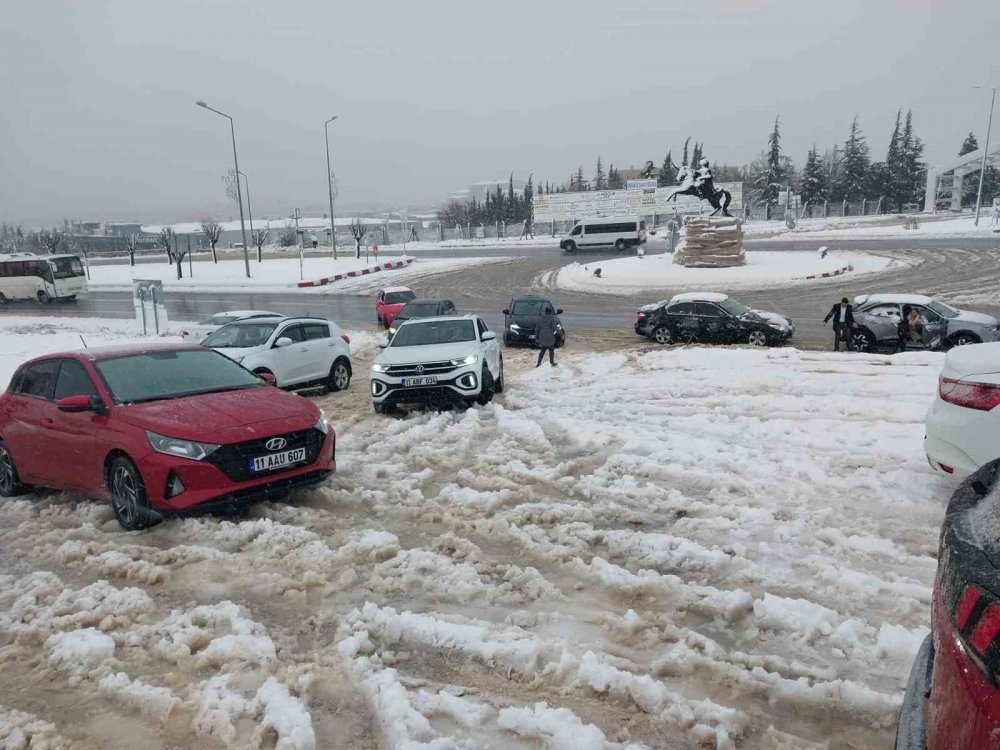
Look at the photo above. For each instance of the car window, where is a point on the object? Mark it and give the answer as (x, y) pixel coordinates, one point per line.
(316, 331)
(529, 307)
(240, 336)
(576, 230)
(398, 298)
(295, 333)
(169, 374)
(218, 320)
(885, 310)
(39, 379)
(482, 327)
(708, 310)
(928, 315)
(682, 308)
(434, 332)
(449, 307)
(74, 380)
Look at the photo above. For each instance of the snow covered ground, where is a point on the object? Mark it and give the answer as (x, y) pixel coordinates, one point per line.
(686, 548)
(874, 227)
(274, 274)
(629, 275)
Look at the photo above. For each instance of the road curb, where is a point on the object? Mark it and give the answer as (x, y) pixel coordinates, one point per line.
(829, 274)
(354, 274)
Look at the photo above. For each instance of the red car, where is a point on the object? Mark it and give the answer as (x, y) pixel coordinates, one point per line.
(389, 301)
(158, 429)
(952, 699)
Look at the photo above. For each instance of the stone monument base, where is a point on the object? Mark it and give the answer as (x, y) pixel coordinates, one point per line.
(711, 242)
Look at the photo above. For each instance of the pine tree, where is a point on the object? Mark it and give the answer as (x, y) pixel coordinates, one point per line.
(511, 208)
(600, 179)
(580, 181)
(527, 212)
(668, 171)
(895, 168)
(813, 179)
(969, 145)
(684, 158)
(913, 152)
(855, 165)
(770, 179)
(696, 155)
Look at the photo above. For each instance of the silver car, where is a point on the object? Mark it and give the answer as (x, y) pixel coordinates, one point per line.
(877, 318)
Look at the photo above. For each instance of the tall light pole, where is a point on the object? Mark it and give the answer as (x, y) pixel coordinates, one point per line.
(986, 151)
(239, 192)
(249, 210)
(329, 184)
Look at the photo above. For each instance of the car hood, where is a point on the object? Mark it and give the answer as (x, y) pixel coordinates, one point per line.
(228, 417)
(966, 316)
(405, 355)
(772, 317)
(237, 353)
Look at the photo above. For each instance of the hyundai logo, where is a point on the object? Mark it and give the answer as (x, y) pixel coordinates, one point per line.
(419, 369)
(275, 444)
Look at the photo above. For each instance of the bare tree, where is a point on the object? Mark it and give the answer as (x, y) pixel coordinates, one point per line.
(12, 239)
(259, 237)
(212, 232)
(165, 239)
(50, 239)
(131, 243)
(358, 232)
(179, 256)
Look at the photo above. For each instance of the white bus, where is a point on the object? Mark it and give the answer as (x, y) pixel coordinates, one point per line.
(619, 232)
(41, 277)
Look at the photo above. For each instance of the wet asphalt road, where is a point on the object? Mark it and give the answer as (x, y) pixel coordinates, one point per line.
(964, 272)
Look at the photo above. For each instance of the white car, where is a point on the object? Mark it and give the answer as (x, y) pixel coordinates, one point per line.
(445, 360)
(297, 352)
(196, 332)
(963, 423)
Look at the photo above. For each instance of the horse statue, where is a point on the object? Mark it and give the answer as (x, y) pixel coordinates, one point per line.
(701, 185)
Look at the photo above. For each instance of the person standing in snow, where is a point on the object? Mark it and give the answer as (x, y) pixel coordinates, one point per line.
(843, 322)
(545, 334)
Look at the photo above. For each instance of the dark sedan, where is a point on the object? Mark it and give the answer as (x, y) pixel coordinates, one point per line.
(422, 308)
(709, 317)
(521, 321)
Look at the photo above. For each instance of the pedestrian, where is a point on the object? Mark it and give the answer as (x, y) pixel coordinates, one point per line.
(843, 321)
(996, 211)
(545, 334)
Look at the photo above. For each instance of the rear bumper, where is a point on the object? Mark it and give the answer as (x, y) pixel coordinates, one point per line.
(527, 337)
(911, 733)
(960, 438)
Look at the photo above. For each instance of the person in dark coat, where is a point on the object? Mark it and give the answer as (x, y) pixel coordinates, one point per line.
(843, 321)
(545, 334)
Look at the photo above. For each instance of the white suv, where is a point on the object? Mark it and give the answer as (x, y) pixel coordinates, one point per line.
(297, 352)
(443, 361)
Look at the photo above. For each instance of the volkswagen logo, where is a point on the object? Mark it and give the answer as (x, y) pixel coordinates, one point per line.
(419, 369)
(275, 444)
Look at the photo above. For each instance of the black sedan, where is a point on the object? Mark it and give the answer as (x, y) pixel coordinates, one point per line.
(708, 317)
(422, 308)
(521, 319)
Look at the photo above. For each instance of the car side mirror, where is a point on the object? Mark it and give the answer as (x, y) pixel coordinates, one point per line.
(489, 335)
(267, 378)
(559, 311)
(506, 311)
(283, 342)
(383, 342)
(82, 403)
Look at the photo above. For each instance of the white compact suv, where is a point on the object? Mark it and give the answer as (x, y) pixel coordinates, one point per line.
(963, 422)
(452, 360)
(298, 352)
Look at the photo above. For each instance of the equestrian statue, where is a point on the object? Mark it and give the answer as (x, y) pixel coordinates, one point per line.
(701, 184)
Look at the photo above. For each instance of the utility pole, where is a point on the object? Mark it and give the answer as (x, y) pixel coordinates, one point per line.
(329, 185)
(986, 151)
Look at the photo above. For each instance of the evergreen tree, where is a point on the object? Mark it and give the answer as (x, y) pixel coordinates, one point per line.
(855, 165)
(771, 175)
(970, 187)
(969, 145)
(684, 158)
(511, 209)
(696, 155)
(916, 168)
(895, 169)
(600, 179)
(668, 172)
(527, 213)
(813, 179)
(580, 181)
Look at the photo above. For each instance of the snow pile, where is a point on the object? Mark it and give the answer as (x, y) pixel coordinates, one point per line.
(80, 649)
(558, 728)
(21, 731)
(153, 702)
(284, 715)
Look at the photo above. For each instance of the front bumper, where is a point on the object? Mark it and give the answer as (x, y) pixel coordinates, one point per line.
(460, 384)
(526, 337)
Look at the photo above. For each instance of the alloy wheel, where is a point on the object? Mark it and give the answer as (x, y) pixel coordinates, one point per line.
(757, 338)
(662, 336)
(6, 471)
(341, 378)
(124, 495)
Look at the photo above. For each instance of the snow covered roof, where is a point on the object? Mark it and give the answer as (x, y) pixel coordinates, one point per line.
(902, 299)
(699, 297)
(397, 289)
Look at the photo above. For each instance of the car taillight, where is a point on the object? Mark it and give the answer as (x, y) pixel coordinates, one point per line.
(346, 338)
(981, 396)
(975, 616)
(640, 316)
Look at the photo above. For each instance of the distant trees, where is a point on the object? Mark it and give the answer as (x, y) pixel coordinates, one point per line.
(12, 239)
(51, 240)
(212, 231)
(853, 182)
(813, 178)
(508, 207)
(600, 178)
(668, 172)
(165, 239)
(769, 172)
(259, 237)
(131, 242)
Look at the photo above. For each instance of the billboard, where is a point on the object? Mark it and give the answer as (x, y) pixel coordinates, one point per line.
(640, 184)
(635, 201)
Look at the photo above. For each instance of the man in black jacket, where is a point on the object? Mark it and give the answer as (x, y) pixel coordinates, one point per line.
(843, 322)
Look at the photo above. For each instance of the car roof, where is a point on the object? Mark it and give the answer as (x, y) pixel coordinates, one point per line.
(98, 353)
(396, 289)
(435, 318)
(608, 219)
(427, 301)
(903, 299)
(246, 312)
(699, 297)
(256, 321)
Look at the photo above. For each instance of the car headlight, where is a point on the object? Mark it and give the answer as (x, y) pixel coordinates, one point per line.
(392, 331)
(177, 447)
(776, 324)
(470, 360)
(323, 424)
(379, 367)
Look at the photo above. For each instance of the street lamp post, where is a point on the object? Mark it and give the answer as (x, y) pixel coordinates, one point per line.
(249, 210)
(329, 185)
(239, 192)
(986, 151)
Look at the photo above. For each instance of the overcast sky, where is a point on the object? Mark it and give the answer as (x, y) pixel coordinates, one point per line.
(99, 119)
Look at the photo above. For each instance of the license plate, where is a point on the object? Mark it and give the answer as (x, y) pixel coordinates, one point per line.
(277, 460)
(426, 380)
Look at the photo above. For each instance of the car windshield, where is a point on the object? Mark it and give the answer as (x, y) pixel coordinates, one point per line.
(219, 320)
(398, 298)
(733, 307)
(943, 310)
(434, 332)
(420, 309)
(529, 307)
(153, 376)
(67, 268)
(240, 336)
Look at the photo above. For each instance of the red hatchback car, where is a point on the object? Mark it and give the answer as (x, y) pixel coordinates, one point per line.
(157, 430)
(952, 700)
(389, 301)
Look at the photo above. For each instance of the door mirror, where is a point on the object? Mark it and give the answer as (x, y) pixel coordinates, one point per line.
(506, 311)
(283, 342)
(383, 342)
(559, 311)
(267, 378)
(82, 403)
(489, 335)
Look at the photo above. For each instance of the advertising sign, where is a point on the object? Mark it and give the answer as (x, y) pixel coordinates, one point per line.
(639, 184)
(641, 201)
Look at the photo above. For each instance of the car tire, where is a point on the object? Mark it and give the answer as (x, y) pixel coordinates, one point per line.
(571, 247)
(127, 494)
(44, 297)
(500, 384)
(862, 340)
(10, 482)
(488, 387)
(757, 338)
(507, 340)
(663, 336)
(620, 245)
(340, 376)
(963, 338)
(3, 299)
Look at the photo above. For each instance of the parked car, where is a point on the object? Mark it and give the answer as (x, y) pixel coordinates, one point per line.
(297, 352)
(421, 308)
(619, 232)
(521, 318)
(157, 429)
(711, 317)
(448, 360)
(952, 699)
(963, 422)
(196, 332)
(389, 301)
(878, 317)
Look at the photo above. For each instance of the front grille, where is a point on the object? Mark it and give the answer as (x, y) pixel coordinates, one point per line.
(428, 368)
(234, 460)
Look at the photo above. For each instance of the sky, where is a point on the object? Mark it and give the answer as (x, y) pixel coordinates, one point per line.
(99, 119)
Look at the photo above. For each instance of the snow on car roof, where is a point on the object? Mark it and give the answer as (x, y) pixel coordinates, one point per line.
(903, 299)
(434, 318)
(244, 312)
(699, 297)
(397, 289)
